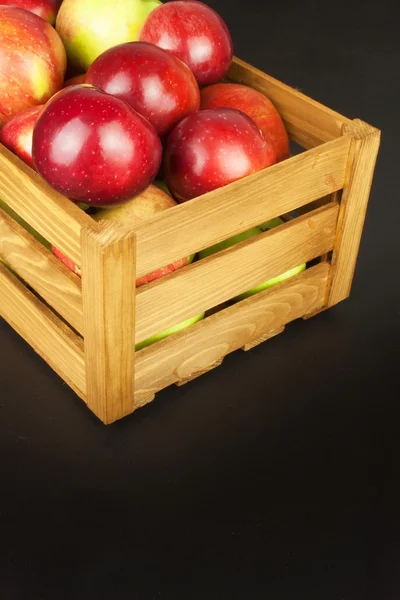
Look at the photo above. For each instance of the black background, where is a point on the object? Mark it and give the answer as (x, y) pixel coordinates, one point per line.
(274, 476)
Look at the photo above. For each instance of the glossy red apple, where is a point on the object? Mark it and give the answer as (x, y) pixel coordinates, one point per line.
(47, 9)
(16, 134)
(32, 61)
(94, 148)
(195, 33)
(212, 148)
(134, 212)
(155, 83)
(255, 105)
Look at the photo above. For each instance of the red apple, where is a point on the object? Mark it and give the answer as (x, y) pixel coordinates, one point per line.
(193, 32)
(47, 9)
(75, 80)
(255, 105)
(94, 148)
(155, 83)
(134, 212)
(16, 134)
(32, 61)
(212, 148)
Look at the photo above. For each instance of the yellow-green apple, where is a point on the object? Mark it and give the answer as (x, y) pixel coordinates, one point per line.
(89, 27)
(255, 105)
(134, 212)
(95, 148)
(32, 61)
(47, 9)
(16, 134)
(155, 83)
(167, 332)
(240, 237)
(211, 148)
(195, 33)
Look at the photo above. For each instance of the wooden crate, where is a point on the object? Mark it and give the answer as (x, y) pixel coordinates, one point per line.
(85, 328)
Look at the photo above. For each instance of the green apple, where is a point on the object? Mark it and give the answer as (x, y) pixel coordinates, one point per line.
(89, 27)
(159, 336)
(270, 224)
(245, 235)
(24, 224)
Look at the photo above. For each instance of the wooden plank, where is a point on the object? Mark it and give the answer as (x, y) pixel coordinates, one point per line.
(43, 330)
(108, 287)
(193, 350)
(263, 338)
(217, 278)
(36, 265)
(309, 123)
(355, 196)
(55, 217)
(208, 219)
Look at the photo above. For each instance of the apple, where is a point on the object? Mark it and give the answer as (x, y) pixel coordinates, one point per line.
(196, 34)
(94, 148)
(32, 61)
(75, 80)
(155, 83)
(159, 336)
(134, 212)
(212, 148)
(240, 237)
(89, 27)
(270, 224)
(47, 9)
(16, 134)
(255, 105)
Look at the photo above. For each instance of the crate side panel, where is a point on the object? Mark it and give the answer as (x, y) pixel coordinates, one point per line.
(192, 351)
(36, 265)
(208, 219)
(220, 277)
(47, 334)
(55, 217)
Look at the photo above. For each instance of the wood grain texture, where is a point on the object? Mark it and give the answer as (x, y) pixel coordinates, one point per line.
(185, 380)
(309, 123)
(36, 265)
(191, 351)
(108, 288)
(43, 330)
(220, 277)
(55, 217)
(263, 338)
(208, 219)
(355, 196)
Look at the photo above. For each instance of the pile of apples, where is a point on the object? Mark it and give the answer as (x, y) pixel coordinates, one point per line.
(122, 107)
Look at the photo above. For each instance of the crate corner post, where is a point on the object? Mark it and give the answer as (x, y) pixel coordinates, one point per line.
(109, 293)
(364, 147)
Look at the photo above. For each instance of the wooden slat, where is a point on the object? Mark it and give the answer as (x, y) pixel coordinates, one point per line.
(43, 330)
(36, 265)
(193, 350)
(208, 219)
(217, 278)
(309, 123)
(363, 154)
(108, 287)
(55, 217)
